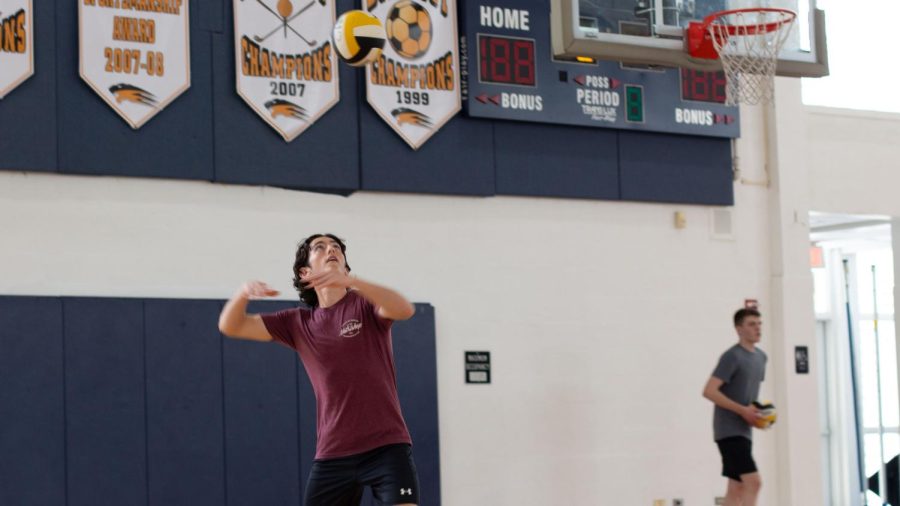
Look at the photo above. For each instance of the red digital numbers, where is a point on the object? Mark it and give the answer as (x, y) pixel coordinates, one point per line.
(506, 60)
(703, 86)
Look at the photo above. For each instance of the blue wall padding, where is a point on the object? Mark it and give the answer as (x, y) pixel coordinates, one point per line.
(55, 123)
(212, 15)
(106, 436)
(261, 425)
(558, 161)
(185, 455)
(671, 168)
(32, 414)
(143, 402)
(307, 418)
(414, 344)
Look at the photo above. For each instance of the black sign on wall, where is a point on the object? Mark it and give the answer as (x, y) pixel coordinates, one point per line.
(478, 367)
(801, 359)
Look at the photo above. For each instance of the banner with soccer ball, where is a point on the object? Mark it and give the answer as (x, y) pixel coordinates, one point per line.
(414, 84)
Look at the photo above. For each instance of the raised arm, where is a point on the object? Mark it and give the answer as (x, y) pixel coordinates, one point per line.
(234, 320)
(390, 304)
(713, 392)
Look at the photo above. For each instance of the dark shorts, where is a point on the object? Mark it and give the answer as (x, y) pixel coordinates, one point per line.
(388, 470)
(737, 458)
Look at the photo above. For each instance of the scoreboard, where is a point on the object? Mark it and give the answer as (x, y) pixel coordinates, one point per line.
(509, 72)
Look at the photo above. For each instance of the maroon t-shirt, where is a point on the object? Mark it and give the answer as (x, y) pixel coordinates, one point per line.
(346, 350)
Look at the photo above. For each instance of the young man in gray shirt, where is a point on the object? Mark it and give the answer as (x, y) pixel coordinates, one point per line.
(733, 387)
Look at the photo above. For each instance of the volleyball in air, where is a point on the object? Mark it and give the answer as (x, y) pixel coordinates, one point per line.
(358, 37)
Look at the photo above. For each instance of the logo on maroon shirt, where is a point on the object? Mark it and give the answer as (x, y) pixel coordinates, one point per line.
(350, 328)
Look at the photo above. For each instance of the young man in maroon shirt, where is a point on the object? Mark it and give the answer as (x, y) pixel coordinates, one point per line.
(344, 342)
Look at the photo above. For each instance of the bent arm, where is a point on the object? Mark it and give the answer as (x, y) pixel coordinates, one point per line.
(390, 304)
(713, 392)
(234, 320)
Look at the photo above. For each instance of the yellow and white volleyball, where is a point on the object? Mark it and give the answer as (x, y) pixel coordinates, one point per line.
(358, 37)
(767, 414)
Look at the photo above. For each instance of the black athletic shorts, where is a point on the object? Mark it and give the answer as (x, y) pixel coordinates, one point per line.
(736, 457)
(388, 470)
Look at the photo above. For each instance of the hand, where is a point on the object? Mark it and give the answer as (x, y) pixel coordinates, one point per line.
(328, 278)
(751, 415)
(258, 289)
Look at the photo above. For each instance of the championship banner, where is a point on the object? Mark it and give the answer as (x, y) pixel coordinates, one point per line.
(135, 54)
(16, 44)
(414, 84)
(286, 69)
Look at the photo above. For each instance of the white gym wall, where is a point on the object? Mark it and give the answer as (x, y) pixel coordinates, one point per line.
(604, 320)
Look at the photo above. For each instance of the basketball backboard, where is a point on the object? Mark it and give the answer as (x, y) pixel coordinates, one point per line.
(651, 32)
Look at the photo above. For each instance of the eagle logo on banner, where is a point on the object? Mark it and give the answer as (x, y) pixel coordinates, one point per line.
(16, 44)
(135, 54)
(414, 84)
(286, 69)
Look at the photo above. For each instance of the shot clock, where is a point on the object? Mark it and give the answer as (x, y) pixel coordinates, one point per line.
(703, 86)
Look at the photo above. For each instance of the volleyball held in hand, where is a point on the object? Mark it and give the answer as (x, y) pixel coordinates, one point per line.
(767, 414)
(358, 37)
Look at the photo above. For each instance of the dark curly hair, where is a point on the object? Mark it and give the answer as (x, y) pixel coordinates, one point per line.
(301, 259)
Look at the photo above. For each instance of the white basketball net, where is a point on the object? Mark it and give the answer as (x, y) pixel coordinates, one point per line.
(748, 44)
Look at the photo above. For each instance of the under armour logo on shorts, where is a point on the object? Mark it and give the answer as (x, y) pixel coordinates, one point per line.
(405, 491)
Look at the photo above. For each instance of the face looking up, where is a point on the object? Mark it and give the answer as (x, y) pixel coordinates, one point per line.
(324, 254)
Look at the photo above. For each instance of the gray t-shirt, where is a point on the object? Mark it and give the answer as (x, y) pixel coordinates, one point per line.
(742, 371)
